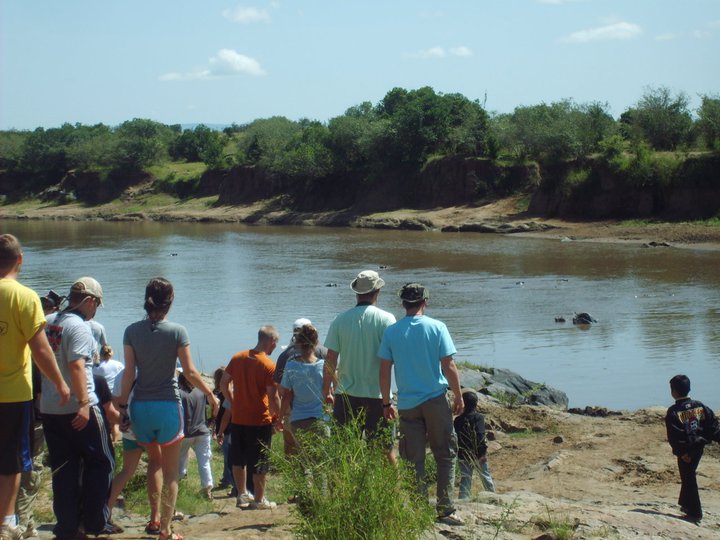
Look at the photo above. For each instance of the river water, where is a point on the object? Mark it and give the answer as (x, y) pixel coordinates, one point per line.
(658, 309)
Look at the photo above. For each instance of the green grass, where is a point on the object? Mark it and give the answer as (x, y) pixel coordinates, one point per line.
(177, 172)
(559, 527)
(464, 364)
(348, 489)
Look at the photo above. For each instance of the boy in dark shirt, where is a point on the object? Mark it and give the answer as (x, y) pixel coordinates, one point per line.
(472, 445)
(689, 426)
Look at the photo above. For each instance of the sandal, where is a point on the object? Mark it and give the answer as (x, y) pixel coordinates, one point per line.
(152, 527)
(171, 536)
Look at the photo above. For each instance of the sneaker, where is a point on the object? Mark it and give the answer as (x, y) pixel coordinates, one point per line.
(451, 519)
(208, 493)
(262, 505)
(244, 500)
(10, 533)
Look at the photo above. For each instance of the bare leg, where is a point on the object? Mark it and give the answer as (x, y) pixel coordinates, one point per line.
(9, 485)
(240, 476)
(170, 458)
(154, 480)
(259, 482)
(131, 459)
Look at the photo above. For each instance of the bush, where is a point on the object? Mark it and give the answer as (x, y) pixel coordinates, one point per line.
(346, 488)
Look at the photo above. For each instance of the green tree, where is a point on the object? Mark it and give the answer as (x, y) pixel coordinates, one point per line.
(662, 119)
(264, 141)
(560, 130)
(307, 154)
(199, 144)
(709, 121)
(141, 143)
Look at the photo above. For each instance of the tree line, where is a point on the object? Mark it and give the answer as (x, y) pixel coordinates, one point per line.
(406, 128)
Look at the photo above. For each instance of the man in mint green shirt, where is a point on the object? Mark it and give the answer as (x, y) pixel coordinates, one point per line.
(351, 380)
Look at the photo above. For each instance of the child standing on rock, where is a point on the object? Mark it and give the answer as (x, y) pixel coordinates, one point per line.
(472, 446)
(690, 426)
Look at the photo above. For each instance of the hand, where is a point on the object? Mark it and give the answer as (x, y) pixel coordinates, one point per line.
(64, 392)
(458, 405)
(220, 438)
(330, 398)
(82, 418)
(482, 459)
(389, 413)
(215, 403)
(124, 422)
(277, 424)
(686, 458)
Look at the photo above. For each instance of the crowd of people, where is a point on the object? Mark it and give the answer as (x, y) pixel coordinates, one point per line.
(156, 401)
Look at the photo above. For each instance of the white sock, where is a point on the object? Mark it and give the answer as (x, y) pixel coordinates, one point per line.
(10, 521)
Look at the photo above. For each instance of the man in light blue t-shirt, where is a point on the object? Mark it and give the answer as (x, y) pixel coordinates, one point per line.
(352, 384)
(421, 351)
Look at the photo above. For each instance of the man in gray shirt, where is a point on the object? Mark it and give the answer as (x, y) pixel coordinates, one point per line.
(78, 443)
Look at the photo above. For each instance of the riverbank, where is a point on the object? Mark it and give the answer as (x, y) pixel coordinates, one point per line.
(556, 473)
(504, 216)
(566, 475)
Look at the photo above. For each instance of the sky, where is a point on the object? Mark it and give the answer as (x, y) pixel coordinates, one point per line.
(223, 62)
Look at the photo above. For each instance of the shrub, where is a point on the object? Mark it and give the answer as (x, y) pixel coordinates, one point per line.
(346, 488)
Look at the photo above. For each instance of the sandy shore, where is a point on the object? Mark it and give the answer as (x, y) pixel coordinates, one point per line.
(498, 214)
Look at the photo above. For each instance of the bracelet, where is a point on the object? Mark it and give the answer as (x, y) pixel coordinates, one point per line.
(84, 402)
(387, 405)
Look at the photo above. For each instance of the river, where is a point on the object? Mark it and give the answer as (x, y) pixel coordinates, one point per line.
(658, 309)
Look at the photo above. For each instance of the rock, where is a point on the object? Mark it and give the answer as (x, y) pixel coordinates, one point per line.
(504, 381)
(559, 439)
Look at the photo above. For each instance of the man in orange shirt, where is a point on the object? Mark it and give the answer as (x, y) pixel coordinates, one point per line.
(255, 404)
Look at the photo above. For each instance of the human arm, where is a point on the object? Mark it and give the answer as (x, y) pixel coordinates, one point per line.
(274, 405)
(286, 395)
(44, 359)
(78, 382)
(193, 375)
(128, 376)
(224, 423)
(385, 378)
(225, 388)
(329, 376)
(451, 374)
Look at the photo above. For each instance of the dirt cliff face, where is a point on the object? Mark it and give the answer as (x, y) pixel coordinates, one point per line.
(442, 183)
(692, 191)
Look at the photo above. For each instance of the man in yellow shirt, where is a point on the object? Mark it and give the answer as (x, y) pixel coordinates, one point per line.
(22, 331)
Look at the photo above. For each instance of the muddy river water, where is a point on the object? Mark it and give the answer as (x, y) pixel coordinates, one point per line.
(658, 309)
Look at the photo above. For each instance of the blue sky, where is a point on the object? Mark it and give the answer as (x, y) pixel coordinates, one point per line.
(220, 61)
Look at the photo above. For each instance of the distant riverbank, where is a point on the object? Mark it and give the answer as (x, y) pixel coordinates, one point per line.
(503, 216)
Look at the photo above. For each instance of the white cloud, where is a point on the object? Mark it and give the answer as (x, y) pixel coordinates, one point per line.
(702, 34)
(714, 24)
(226, 63)
(246, 15)
(442, 52)
(665, 37)
(610, 32)
(461, 51)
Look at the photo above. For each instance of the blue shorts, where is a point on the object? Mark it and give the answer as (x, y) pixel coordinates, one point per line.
(157, 421)
(130, 445)
(16, 437)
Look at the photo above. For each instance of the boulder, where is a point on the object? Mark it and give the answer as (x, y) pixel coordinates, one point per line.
(506, 382)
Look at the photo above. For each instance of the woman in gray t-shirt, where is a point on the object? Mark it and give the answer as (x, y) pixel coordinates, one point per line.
(152, 346)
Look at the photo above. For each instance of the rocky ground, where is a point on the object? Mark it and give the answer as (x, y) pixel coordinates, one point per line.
(584, 476)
